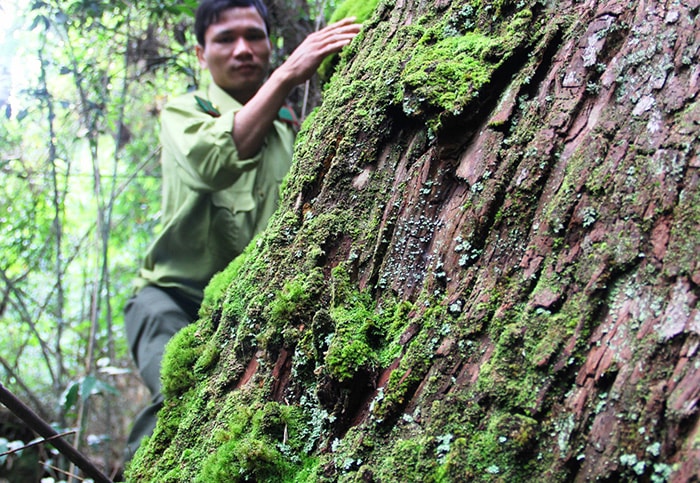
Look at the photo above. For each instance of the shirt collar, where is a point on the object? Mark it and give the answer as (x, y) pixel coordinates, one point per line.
(222, 100)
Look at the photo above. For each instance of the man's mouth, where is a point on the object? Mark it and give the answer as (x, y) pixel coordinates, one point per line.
(245, 68)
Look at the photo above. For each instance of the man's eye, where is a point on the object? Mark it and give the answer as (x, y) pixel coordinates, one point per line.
(255, 36)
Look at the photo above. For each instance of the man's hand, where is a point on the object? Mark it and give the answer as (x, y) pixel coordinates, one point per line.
(254, 120)
(304, 61)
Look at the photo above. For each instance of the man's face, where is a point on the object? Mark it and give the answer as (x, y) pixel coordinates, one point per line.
(237, 52)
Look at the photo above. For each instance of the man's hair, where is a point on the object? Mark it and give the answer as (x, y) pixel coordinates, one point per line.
(209, 11)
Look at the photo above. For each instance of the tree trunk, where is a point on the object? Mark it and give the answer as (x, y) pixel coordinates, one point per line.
(484, 267)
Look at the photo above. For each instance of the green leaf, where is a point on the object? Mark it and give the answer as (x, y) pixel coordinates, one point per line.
(91, 385)
(70, 396)
(87, 387)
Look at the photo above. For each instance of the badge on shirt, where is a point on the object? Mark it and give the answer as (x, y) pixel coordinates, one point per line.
(287, 114)
(207, 107)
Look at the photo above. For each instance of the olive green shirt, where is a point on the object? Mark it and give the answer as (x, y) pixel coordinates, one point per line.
(213, 202)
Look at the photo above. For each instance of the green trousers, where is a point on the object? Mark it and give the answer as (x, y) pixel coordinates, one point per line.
(152, 317)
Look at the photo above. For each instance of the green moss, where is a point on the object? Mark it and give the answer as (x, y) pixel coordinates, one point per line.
(448, 74)
(365, 338)
(181, 355)
(159, 448)
(492, 453)
(261, 442)
(258, 445)
(248, 460)
(288, 303)
(456, 58)
(343, 290)
(215, 291)
(416, 359)
(348, 356)
(681, 258)
(544, 342)
(360, 9)
(395, 323)
(208, 357)
(412, 459)
(528, 343)
(350, 351)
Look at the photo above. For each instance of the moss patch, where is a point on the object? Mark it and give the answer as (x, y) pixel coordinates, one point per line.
(259, 444)
(457, 62)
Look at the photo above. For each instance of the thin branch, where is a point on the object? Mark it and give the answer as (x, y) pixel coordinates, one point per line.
(20, 306)
(63, 472)
(57, 203)
(37, 443)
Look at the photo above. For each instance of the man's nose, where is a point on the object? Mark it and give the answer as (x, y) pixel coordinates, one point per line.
(241, 47)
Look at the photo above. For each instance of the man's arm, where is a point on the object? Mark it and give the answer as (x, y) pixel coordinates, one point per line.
(254, 120)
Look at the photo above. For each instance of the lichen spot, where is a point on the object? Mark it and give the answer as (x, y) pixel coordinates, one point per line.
(361, 179)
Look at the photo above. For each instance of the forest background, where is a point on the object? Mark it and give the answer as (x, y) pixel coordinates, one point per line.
(82, 83)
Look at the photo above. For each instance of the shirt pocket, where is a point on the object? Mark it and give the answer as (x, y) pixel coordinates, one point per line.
(233, 224)
(235, 201)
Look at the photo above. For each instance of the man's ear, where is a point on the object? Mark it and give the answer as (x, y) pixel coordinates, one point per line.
(199, 50)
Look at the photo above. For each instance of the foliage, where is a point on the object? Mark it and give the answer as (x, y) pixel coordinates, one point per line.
(83, 83)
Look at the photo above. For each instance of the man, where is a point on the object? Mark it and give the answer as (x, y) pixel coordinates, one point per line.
(224, 154)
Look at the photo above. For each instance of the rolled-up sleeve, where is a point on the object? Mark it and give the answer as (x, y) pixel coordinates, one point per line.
(202, 147)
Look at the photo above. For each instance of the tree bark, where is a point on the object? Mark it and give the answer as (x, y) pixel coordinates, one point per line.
(484, 267)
